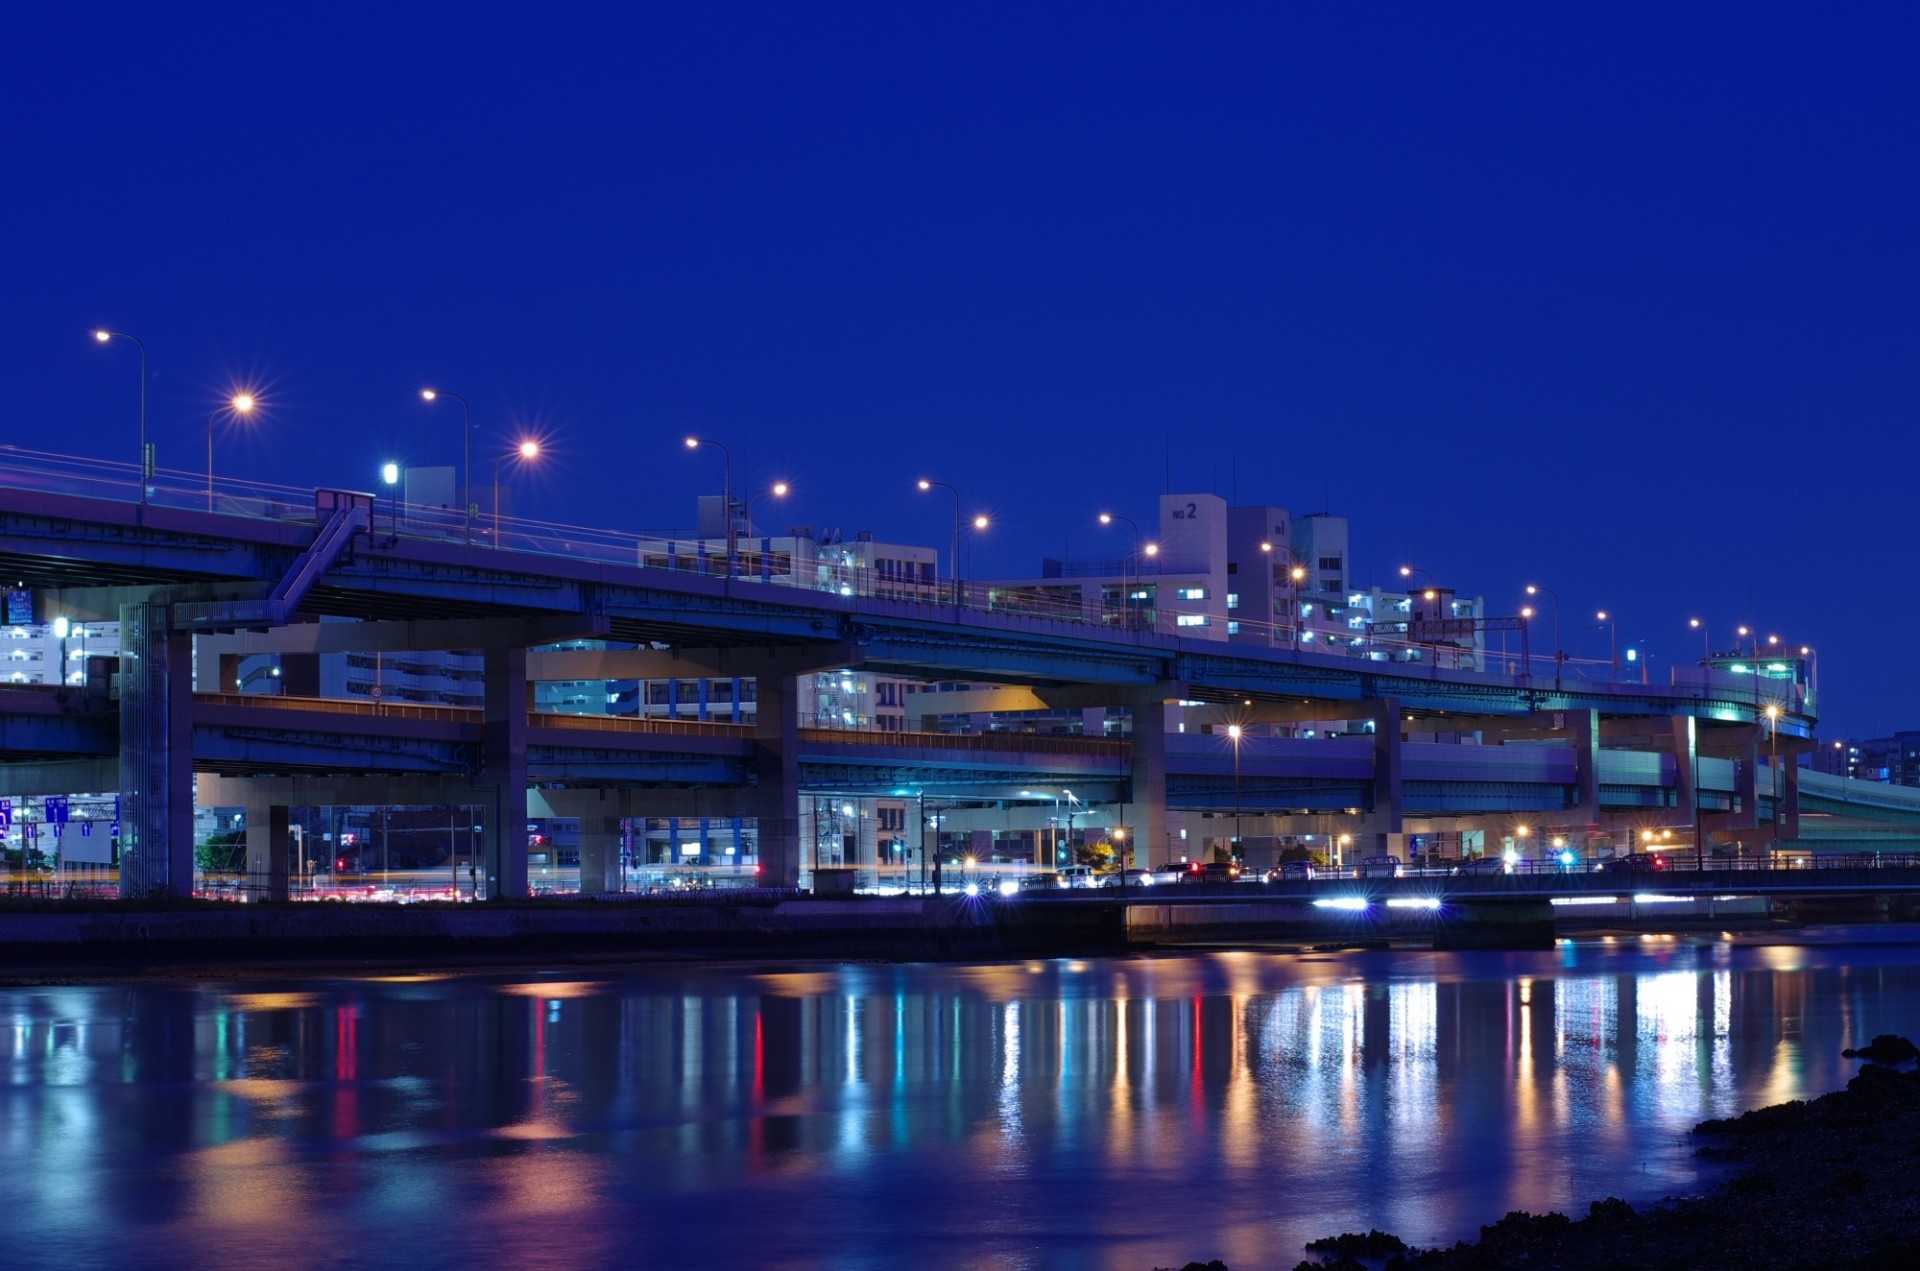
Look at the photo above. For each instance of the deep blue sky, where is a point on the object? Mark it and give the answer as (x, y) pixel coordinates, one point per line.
(1620, 300)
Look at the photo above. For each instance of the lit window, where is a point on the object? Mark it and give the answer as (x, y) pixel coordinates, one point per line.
(1193, 593)
(1233, 600)
(1191, 620)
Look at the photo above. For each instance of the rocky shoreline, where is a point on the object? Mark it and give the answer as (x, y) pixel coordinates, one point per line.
(1832, 1182)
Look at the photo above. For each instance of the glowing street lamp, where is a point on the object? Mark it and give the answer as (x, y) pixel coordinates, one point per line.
(526, 451)
(953, 557)
(466, 442)
(726, 488)
(240, 406)
(1126, 562)
(1296, 574)
(103, 336)
(1234, 734)
(1773, 765)
(1558, 656)
(1613, 640)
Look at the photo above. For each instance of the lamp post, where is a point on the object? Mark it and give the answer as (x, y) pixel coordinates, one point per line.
(1234, 734)
(1126, 593)
(1773, 765)
(953, 556)
(1558, 656)
(526, 451)
(390, 476)
(146, 460)
(1613, 640)
(726, 488)
(778, 490)
(466, 451)
(1296, 574)
(1706, 641)
(242, 406)
(979, 525)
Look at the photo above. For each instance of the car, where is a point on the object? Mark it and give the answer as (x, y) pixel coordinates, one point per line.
(1130, 878)
(1171, 872)
(1637, 863)
(1480, 865)
(1290, 872)
(1378, 867)
(1213, 872)
(1078, 876)
(1045, 880)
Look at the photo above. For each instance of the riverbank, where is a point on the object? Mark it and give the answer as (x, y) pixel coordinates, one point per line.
(1830, 1182)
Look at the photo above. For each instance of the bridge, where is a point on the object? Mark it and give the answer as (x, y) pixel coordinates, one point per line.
(260, 571)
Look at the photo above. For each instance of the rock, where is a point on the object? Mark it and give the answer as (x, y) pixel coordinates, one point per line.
(1887, 1048)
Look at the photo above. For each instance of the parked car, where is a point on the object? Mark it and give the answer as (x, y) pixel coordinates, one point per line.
(1637, 863)
(1378, 867)
(1291, 872)
(1046, 880)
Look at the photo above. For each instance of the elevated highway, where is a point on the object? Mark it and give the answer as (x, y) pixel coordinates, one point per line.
(268, 561)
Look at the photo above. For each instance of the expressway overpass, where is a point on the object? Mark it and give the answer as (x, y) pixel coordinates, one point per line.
(1438, 743)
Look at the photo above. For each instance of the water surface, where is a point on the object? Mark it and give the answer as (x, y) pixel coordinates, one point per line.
(1101, 1114)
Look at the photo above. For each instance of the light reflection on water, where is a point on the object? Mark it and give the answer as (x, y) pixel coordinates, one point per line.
(1100, 1114)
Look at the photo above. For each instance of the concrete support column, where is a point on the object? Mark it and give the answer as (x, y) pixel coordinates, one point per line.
(1789, 809)
(1145, 811)
(156, 754)
(268, 855)
(1583, 728)
(503, 774)
(776, 796)
(600, 855)
(1384, 821)
(1686, 779)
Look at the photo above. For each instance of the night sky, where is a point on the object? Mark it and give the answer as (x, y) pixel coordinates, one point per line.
(1619, 300)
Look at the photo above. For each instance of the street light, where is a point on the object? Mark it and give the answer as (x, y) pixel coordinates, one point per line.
(466, 450)
(241, 405)
(953, 556)
(726, 488)
(1613, 640)
(1126, 593)
(390, 475)
(778, 490)
(526, 451)
(1558, 656)
(1296, 574)
(103, 335)
(1234, 733)
(1706, 641)
(1773, 765)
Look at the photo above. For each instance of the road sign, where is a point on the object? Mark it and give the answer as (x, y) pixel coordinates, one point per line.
(56, 809)
(6, 815)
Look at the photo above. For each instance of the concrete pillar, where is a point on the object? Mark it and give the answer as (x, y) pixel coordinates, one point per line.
(600, 855)
(1583, 728)
(1686, 779)
(156, 754)
(268, 855)
(1789, 809)
(776, 796)
(503, 774)
(1145, 811)
(1384, 819)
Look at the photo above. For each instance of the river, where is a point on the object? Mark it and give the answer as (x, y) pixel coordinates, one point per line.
(1121, 1113)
